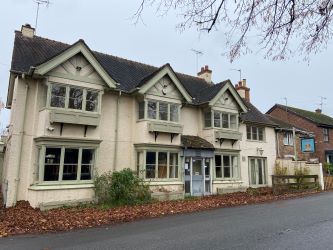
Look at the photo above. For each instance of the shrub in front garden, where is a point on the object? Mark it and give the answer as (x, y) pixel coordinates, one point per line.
(121, 188)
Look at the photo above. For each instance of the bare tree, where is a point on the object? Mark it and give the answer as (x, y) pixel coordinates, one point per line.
(273, 23)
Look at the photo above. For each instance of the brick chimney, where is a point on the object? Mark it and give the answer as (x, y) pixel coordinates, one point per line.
(318, 111)
(206, 74)
(28, 31)
(243, 90)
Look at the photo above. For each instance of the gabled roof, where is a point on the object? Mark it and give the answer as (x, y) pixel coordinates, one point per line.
(253, 115)
(317, 118)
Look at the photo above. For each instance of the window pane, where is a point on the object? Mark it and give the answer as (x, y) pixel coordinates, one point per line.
(286, 139)
(253, 172)
(75, 98)
(150, 164)
(254, 133)
(87, 164)
(208, 121)
(218, 166)
(52, 164)
(226, 166)
(91, 101)
(233, 121)
(70, 164)
(248, 132)
(235, 169)
(141, 110)
(152, 106)
(261, 134)
(58, 96)
(174, 113)
(163, 111)
(173, 171)
(217, 119)
(225, 120)
(162, 164)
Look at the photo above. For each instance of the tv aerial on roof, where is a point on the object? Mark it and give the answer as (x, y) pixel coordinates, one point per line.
(40, 2)
(197, 54)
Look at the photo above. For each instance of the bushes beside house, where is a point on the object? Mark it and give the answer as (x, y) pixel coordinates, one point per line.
(121, 188)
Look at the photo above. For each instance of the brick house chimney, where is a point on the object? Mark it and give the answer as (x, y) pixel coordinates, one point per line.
(318, 111)
(243, 90)
(206, 74)
(28, 31)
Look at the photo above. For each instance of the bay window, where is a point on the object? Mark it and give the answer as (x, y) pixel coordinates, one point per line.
(221, 120)
(160, 165)
(226, 166)
(73, 98)
(65, 163)
(158, 110)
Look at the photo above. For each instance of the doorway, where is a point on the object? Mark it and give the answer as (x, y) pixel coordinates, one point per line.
(197, 176)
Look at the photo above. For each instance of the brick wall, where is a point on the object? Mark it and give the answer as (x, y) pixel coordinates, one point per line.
(300, 122)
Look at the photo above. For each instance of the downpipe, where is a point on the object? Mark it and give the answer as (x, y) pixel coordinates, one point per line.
(116, 133)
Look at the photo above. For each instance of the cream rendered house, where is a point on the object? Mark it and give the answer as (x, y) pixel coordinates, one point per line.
(76, 113)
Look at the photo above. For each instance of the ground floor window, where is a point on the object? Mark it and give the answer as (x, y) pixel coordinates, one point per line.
(66, 163)
(226, 166)
(158, 164)
(258, 171)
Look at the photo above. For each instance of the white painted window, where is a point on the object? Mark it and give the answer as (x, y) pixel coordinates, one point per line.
(73, 98)
(226, 166)
(288, 139)
(157, 110)
(221, 120)
(326, 134)
(255, 133)
(160, 165)
(67, 163)
(258, 171)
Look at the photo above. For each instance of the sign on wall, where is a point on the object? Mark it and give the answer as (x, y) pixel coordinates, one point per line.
(308, 145)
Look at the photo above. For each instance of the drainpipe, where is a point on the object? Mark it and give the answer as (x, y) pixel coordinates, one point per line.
(277, 143)
(21, 134)
(116, 134)
(294, 139)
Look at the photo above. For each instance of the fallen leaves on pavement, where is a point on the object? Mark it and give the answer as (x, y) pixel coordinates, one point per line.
(23, 219)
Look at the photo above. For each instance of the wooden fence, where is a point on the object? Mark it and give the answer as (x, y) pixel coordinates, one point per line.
(283, 183)
(328, 180)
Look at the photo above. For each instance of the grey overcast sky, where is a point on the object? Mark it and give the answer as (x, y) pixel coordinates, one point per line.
(106, 26)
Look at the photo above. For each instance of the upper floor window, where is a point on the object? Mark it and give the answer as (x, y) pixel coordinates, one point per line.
(158, 110)
(71, 97)
(221, 120)
(255, 133)
(326, 135)
(288, 139)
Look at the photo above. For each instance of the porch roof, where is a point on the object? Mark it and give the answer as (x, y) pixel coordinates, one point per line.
(195, 142)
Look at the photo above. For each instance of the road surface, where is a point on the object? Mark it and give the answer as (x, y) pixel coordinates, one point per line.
(305, 223)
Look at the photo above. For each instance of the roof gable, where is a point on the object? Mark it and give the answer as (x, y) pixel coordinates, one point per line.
(228, 88)
(77, 48)
(165, 70)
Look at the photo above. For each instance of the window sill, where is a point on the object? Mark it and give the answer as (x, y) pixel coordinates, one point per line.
(226, 181)
(154, 182)
(255, 141)
(61, 186)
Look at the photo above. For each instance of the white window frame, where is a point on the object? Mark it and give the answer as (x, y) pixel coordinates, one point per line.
(158, 111)
(326, 135)
(41, 164)
(257, 128)
(220, 115)
(235, 171)
(84, 96)
(264, 169)
(288, 139)
(141, 164)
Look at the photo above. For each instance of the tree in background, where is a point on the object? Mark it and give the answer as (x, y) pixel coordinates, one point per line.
(273, 23)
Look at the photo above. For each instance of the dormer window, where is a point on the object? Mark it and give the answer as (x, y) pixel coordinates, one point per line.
(73, 98)
(158, 110)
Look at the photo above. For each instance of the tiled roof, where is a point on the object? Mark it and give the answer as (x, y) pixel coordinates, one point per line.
(195, 142)
(319, 119)
(255, 116)
(283, 124)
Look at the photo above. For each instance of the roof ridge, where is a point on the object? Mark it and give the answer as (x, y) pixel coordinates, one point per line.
(45, 38)
(313, 112)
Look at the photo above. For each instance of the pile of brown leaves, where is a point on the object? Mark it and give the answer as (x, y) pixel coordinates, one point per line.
(23, 219)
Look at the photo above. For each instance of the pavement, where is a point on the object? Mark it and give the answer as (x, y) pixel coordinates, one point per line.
(304, 223)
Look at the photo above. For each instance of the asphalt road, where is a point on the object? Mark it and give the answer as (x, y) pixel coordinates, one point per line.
(305, 223)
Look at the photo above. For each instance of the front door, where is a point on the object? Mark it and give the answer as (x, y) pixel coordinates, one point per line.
(258, 176)
(197, 176)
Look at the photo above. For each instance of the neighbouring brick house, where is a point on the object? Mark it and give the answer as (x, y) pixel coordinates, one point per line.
(288, 141)
(319, 124)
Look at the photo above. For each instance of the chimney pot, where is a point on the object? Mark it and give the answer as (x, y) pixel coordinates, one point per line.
(206, 74)
(28, 31)
(243, 90)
